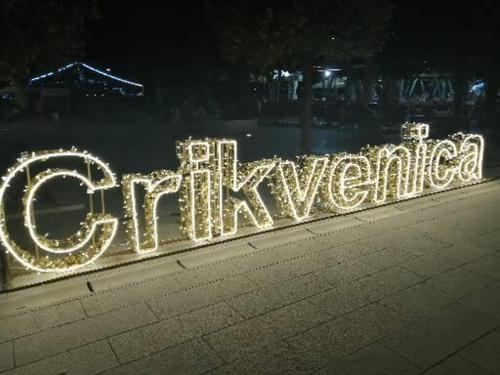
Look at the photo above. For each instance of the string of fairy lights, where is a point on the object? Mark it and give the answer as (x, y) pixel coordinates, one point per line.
(217, 194)
(157, 184)
(96, 233)
(88, 67)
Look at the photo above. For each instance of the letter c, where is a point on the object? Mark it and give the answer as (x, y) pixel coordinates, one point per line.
(96, 233)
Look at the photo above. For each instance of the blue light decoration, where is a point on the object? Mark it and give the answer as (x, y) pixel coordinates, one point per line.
(88, 67)
(478, 88)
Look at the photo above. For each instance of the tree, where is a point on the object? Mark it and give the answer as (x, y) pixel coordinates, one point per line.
(456, 38)
(38, 35)
(261, 36)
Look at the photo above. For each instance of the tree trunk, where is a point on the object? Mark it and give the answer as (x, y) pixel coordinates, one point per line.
(368, 78)
(239, 101)
(307, 104)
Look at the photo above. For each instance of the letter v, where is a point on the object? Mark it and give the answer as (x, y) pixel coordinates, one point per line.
(296, 193)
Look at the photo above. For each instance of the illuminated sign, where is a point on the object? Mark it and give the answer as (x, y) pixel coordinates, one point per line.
(217, 194)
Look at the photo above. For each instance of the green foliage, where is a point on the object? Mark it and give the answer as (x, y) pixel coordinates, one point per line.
(37, 35)
(264, 35)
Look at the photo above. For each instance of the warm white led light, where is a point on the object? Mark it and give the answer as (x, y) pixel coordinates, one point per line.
(217, 194)
(442, 164)
(101, 228)
(297, 193)
(196, 205)
(415, 135)
(392, 170)
(348, 182)
(471, 150)
(246, 180)
(70, 244)
(156, 185)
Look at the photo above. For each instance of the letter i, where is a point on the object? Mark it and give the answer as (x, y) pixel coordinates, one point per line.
(417, 133)
(196, 212)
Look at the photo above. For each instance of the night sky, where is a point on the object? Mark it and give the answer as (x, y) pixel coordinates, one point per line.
(132, 36)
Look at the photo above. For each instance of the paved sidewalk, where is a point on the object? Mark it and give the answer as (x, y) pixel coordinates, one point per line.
(409, 288)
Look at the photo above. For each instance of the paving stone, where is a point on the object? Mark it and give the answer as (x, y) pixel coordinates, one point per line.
(378, 242)
(407, 233)
(198, 297)
(456, 366)
(112, 299)
(58, 314)
(464, 251)
(280, 237)
(277, 295)
(46, 295)
(433, 225)
(371, 360)
(311, 245)
(279, 358)
(428, 213)
(450, 196)
(486, 266)
(385, 226)
(488, 229)
(422, 246)
(432, 339)
(16, 326)
(302, 287)
(485, 352)
(482, 188)
(257, 302)
(417, 301)
(335, 224)
(489, 241)
(160, 335)
(248, 263)
(134, 274)
(38, 320)
(6, 356)
(416, 204)
(214, 254)
(344, 335)
(452, 235)
(59, 339)
(365, 291)
(429, 224)
(286, 270)
(386, 258)
(89, 359)
(393, 280)
(243, 338)
(271, 327)
(486, 300)
(431, 265)
(205, 274)
(295, 318)
(378, 213)
(459, 282)
(345, 236)
(343, 273)
(346, 252)
(293, 250)
(345, 299)
(193, 357)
